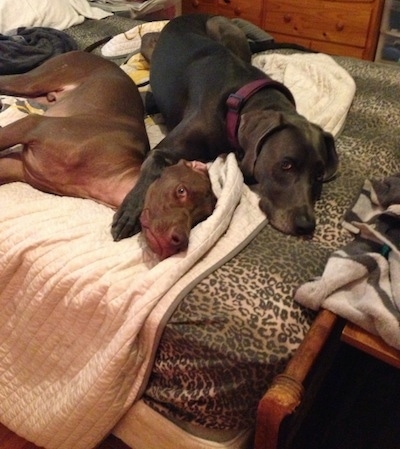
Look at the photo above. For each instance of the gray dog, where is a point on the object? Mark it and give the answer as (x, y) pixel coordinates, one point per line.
(214, 101)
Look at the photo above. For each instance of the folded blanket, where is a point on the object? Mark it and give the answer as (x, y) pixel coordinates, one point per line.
(323, 90)
(361, 281)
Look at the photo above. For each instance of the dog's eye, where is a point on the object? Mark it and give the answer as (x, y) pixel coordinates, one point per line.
(181, 192)
(286, 165)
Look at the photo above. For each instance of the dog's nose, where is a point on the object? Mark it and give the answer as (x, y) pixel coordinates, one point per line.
(178, 240)
(173, 242)
(304, 224)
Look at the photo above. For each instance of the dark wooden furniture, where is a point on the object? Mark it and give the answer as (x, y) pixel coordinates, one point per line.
(346, 27)
(282, 400)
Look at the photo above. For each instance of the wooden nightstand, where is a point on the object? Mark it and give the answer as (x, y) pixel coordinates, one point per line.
(371, 344)
(244, 9)
(344, 398)
(355, 404)
(345, 27)
(348, 28)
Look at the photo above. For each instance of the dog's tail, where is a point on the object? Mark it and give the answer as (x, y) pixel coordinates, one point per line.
(96, 44)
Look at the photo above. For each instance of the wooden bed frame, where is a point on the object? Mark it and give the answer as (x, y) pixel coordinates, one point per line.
(286, 398)
(285, 404)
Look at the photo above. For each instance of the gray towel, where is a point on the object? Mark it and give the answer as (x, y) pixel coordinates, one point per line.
(26, 48)
(361, 281)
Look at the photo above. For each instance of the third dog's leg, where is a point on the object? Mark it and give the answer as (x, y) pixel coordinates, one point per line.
(11, 168)
(11, 165)
(232, 37)
(18, 131)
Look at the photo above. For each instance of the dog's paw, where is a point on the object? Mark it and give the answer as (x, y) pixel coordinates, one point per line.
(125, 223)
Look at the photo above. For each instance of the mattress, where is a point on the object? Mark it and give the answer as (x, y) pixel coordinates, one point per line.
(140, 429)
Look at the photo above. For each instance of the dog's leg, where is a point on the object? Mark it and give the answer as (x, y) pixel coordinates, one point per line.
(11, 168)
(126, 219)
(149, 41)
(11, 165)
(18, 132)
(65, 70)
(232, 37)
(35, 83)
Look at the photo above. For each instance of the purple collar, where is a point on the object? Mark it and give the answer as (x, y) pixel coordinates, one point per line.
(236, 101)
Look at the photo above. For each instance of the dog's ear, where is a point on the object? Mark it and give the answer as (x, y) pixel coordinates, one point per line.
(331, 157)
(149, 41)
(254, 127)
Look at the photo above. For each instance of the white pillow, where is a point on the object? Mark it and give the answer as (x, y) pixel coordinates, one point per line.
(58, 14)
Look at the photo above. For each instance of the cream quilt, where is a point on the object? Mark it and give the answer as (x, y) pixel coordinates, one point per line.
(74, 346)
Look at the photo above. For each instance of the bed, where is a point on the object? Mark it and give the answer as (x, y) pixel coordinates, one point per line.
(218, 345)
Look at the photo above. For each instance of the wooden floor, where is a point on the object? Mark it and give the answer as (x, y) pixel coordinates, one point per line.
(8, 440)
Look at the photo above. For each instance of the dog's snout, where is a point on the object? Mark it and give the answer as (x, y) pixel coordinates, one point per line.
(178, 240)
(304, 224)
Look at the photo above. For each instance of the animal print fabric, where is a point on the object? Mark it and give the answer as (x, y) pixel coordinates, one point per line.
(238, 327)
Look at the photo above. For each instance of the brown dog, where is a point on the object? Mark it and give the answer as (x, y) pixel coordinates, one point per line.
(91, 143)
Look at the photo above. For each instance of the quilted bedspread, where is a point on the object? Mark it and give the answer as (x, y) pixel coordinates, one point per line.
(74, 303)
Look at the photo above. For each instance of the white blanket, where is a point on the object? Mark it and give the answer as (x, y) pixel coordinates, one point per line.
(72, 352)
(322, 89)
(58, 14)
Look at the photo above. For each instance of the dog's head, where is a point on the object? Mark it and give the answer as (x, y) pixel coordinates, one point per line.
(175, 202)
(287, 158)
